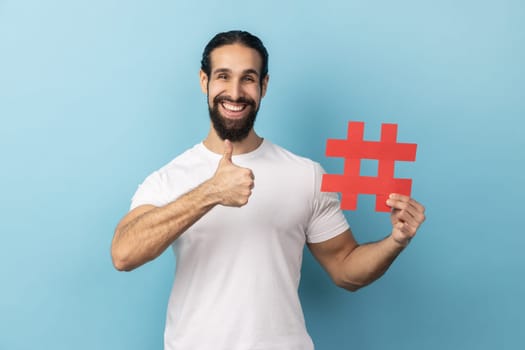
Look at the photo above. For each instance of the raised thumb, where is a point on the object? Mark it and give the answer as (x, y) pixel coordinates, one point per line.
(228, 150)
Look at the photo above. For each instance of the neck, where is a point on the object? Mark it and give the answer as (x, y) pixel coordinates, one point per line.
(215, 144)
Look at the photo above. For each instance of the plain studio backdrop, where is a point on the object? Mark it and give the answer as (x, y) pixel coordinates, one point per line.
(95, 95)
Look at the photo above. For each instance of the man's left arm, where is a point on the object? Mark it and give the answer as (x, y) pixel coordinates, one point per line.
(353, 266)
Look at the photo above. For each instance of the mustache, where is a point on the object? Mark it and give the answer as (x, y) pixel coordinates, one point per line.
(226, 98)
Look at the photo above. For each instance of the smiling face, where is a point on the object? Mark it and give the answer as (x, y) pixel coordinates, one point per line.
(234, 89)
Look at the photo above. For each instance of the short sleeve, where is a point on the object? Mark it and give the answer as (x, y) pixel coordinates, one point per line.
(149, 192)
(327, 219)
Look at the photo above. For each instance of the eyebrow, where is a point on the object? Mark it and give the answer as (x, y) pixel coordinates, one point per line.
(226, 70)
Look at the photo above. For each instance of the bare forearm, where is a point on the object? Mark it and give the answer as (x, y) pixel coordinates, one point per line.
(147, 231)
(146, 236)
(353, 266)
(368, 262)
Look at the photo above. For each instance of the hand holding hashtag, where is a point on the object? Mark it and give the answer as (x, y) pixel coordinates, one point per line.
(233, 183)
(407, 215)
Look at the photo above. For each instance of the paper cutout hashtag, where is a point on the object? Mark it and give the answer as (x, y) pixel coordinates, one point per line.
(353, 149)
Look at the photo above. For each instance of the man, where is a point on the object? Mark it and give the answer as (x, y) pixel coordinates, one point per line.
(237, 211)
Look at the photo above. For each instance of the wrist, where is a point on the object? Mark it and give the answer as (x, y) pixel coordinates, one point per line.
(211, 193)
(400, 242)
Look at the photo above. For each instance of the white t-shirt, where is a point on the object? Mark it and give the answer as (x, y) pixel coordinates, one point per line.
(238, 269)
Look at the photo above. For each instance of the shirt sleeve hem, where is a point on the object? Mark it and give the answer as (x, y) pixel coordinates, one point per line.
(329, 234)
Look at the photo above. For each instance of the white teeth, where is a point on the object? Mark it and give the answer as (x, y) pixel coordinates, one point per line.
(232, 107)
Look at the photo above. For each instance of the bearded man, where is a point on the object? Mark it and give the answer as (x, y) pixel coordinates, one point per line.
(237, 211)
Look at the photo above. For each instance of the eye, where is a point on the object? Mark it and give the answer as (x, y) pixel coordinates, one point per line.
(222, 76)
(248, 78)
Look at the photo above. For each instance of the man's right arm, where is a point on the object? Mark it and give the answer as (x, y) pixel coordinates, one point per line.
(146, 231)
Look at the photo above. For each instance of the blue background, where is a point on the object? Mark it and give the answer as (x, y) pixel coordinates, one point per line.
(95, 95)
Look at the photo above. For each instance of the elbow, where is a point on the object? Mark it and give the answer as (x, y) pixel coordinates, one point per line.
(120, 259)
(121, 254)
(120, 263)
(354, 283)
(350, 286)
(124, 259)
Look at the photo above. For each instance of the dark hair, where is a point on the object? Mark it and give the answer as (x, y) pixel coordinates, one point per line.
(235, 37)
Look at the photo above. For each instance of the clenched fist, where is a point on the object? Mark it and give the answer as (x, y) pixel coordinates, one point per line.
(233, 182)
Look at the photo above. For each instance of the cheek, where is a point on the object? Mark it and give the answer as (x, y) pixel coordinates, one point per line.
(213, 91)
(254, 93)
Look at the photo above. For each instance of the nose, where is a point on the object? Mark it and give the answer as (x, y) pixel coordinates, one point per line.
(235, 90)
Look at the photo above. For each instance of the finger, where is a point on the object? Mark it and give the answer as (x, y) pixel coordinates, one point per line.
(405, 230)
(409, 219)
(399, 197)
(228, 150)
(416, 210)
(399, 201)
(404, 198)
(407, 212)
(419, 207)
(410, 228)
(401, 226)
(395, 200)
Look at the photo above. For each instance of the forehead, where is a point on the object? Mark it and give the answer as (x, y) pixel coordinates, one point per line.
(235, 57)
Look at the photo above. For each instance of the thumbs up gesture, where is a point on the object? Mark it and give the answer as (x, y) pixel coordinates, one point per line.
(233, 182)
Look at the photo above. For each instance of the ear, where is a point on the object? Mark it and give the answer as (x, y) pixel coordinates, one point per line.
(204, 81)
(264, 85)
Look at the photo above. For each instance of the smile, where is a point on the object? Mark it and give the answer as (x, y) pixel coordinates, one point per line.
(233, 108)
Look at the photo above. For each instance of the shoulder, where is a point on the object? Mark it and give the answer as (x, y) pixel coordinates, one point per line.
(289, 156)
(180, 168)
(291, 160)
(178, 176)
(189, 159)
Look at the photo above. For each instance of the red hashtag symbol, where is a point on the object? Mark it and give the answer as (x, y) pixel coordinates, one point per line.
(353, 149)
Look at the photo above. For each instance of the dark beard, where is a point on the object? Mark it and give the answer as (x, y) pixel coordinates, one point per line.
(233, 130)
